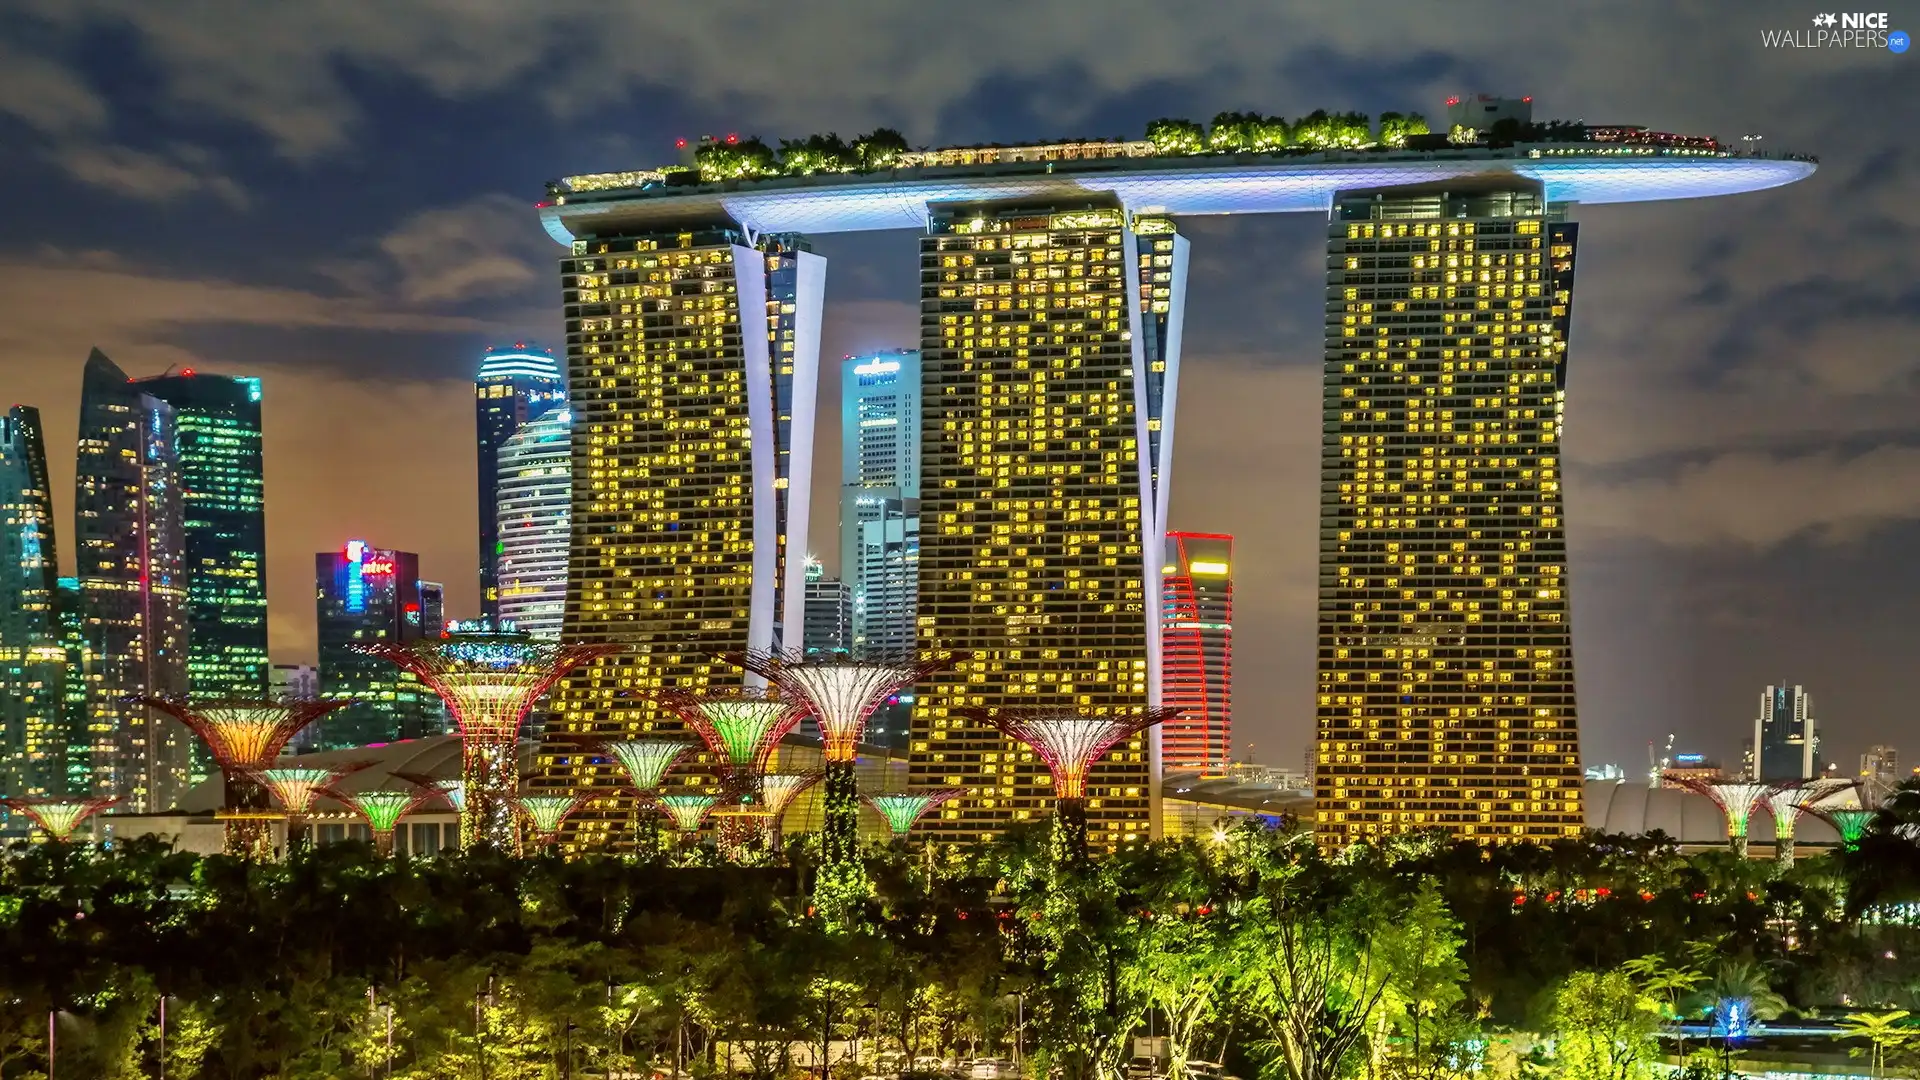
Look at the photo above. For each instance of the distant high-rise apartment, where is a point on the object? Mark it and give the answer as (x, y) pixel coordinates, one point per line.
(693, 365)
(1196, 650)
(535, 510)
(217, 435)
(366, 594)
(515, 385)
(129, 537)
(79, 671)
(1041, 500)
(33, 738)
(1446, 687)
(880, 515)
(829, 614)
(1786, 737)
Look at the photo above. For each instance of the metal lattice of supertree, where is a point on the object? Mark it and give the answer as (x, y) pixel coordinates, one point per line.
(1851, 822)
(902, 809)
(382, 810)
(488, 681)
(777, 792)
(451, 792)
(1735, 798)
(686, 810)
(1787, 804)
(1070, 743)
(646, 763)
(58, 816)
(841, 694)
(545, 814)
(244, 735)
(294, 786)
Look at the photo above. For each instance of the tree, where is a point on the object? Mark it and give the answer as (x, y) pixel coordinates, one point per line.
(1883, 1032)
(1183, 961)
(742, 159)
(1421, 951)
(879, 149)
(1604, 1027)
(1171, 137)
(817, 154)
(1394, 128)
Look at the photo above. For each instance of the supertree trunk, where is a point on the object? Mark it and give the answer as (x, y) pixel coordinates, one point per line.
(1739, 844)
(492, 776)
(299, 834)
(249, 832)
(1783, 852)
(1070, 829)
(383, 843)
(841, 883)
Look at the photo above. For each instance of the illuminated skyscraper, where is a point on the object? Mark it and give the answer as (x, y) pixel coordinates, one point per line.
(536, 491)
(1446, 691)
(1786, 737)
(1196, 650)
(131, 551)
(682, 348)
(33, 741)
(79, 671)
(515, 385)
(217, 432)
(880, 516)
(829, 613)
(1038, 499)
(366, 594)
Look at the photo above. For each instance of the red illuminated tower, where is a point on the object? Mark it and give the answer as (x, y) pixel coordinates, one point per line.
(1196, 650)
(488, 682)
(1070, 743)
(245, 735)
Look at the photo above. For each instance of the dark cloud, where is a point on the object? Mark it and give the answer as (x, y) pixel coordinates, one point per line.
(1744, 442)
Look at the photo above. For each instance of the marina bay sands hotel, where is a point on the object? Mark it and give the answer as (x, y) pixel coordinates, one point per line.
(1053, 282)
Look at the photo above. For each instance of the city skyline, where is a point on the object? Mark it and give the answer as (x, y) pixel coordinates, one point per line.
(1696, 603)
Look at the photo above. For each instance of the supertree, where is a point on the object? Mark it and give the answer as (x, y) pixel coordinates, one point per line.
(1735, 798)
(245, 735)
(687, 810)
(903, 808)
(1851, 822)
(58, 815)
(382, 810)
(750, 828)
(546, 813)
(294, 787)
(647, 762)
(1070, 743)
(1788, 802)
(841, 694)
(451, 792)
(488, 682)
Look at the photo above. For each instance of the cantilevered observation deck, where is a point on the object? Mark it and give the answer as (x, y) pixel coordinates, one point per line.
(1251, 183)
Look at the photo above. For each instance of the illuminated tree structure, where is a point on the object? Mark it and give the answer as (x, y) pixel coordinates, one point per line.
(1787, 803)
(451, 792)
(57, 816)
(1851, 822)
(382, 810)
(294, 787)
(488, 682)
(647, 762)
(902, 809)
(545, 814)
(687, 811)
(1735, 798)
(1070, 743)
(245, 735)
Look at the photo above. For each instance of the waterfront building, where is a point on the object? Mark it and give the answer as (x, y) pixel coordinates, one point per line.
(535, 512)
(365, 594)
(1445, 669)
(130, 551)
(1196, 650)
(515, 385)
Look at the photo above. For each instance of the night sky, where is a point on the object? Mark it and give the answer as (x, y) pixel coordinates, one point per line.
(338, 198)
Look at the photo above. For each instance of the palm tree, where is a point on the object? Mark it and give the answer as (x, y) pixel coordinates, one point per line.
(1883, 1032)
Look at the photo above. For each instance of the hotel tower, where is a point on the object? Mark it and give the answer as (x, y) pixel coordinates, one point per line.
(1049, 346)
(1446, 694)
(692, 364)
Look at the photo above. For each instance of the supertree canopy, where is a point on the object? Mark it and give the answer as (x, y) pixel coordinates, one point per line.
(1851, 822)
(546, 813)
(382, 810)
(245, 735)
(451, 792)
(686, 810)
(488, 682)
(903, 808)
(841, 693)
(1070, 743)
(1787, 803)
(647, 761)
(56, 815)
(294, 787)
(1735, 798)
(741, 727)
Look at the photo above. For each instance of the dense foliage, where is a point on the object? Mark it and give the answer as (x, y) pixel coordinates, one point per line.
(1414, 958)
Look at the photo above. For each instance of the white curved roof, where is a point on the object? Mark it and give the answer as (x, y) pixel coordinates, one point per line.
(1209, 184)
(1632, 807)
